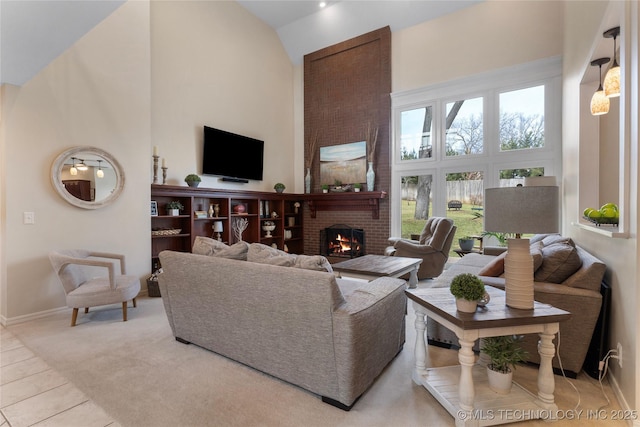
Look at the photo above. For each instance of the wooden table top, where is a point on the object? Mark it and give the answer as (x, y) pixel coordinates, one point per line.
(376, 265)
(496, 313)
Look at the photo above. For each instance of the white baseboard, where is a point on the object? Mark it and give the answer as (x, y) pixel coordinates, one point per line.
(27, 317)
(4, 321)
(624, 405)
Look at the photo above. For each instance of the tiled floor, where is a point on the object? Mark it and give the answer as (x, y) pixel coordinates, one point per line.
(32, 394)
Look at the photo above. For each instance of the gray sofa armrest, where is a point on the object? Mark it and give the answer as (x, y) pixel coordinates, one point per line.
(369, 326)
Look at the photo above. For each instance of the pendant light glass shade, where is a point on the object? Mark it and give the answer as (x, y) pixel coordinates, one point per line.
(612, 79)
(612, 82)
(100, 172)
(72, 169)
(599, 102)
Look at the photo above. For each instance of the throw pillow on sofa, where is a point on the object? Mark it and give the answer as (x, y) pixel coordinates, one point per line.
(495, 268)
(267, 255)
(211, 247)
(559, 261)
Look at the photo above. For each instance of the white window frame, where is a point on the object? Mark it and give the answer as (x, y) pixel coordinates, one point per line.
(488, 85)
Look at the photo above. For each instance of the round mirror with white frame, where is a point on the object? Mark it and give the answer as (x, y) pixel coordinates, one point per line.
(87, 177)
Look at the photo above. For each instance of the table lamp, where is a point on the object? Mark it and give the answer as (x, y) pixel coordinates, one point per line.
(217, 228)
(520, 210)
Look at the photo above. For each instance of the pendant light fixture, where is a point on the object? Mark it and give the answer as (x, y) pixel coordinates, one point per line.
(612, 79)
(82, 166)
(599, 102)
(72, 169)
(100, 172)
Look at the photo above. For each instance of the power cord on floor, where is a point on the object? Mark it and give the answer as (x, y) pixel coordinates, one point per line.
(603, 367)
(565, 377)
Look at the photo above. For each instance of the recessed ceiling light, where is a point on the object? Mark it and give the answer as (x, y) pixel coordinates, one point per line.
(322, 4)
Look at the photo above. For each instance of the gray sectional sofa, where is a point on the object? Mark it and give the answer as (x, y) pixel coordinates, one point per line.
(566, 276)
(286, 316)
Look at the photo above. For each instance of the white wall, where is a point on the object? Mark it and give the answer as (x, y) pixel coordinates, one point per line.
(484, 37)
(152, 73)
(215, 64)
(96, 93)
(585, 21)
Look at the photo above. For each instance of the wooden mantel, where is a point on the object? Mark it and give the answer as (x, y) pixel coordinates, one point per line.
(347, 201)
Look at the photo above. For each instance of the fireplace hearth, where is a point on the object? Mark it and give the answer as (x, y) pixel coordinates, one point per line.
(343, 241)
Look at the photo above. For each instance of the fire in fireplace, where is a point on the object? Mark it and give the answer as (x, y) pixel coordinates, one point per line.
(342, 241)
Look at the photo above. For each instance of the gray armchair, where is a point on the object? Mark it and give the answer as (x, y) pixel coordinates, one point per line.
(73, 268)
(432, 246)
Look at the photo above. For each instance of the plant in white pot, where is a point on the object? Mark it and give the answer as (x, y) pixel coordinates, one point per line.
(174, 208)
(505, 352)
(468, 290)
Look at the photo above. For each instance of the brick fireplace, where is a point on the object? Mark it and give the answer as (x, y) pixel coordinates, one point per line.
(347, 86)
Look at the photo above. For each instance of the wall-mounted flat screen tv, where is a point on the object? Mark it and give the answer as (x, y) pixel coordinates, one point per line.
(230, 155)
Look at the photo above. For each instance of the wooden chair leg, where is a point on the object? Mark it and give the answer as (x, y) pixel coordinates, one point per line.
(124, 311)
(74, 317)
(134, 303)
(86, 310)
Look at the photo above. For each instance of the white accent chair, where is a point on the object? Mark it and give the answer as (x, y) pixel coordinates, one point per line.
(73, 268)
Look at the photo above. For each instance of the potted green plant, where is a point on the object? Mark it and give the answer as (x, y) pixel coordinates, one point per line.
(174, 208)
(466, 243)
(356, 187)
(192, 180)
(279, 187)
(505, 352)
(468, 290)
(325, 188)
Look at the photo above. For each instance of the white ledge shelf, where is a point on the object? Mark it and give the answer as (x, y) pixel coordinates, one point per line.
(612, 232)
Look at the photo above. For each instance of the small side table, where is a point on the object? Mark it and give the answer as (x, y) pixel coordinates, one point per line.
(495, 319)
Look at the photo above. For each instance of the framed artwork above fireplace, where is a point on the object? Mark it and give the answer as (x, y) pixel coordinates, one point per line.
(346, 163)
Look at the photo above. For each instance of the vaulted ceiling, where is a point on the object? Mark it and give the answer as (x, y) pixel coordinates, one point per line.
(33, 33)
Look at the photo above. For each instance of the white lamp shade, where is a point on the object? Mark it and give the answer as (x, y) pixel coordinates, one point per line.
(100, 173)
(612, 82)
(599, 103)
(217, 227)
(73, 170)
(520, 210)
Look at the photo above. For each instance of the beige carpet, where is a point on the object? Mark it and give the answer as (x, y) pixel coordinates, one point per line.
(141, 376)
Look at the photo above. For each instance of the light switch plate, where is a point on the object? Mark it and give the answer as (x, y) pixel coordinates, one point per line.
(29, 217)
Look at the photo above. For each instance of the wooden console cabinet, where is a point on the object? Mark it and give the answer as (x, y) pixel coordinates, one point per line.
(179, 232)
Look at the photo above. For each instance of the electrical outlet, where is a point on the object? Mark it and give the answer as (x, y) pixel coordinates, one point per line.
(28, 218)
(619, 350)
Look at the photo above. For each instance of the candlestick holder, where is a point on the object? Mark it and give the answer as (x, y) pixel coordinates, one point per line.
(164, 175)
(155, 168)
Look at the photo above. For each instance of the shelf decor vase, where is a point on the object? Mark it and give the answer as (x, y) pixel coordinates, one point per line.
(371, 177)
(268, 229)
(216, 210)
(307, 181)
(174, 212)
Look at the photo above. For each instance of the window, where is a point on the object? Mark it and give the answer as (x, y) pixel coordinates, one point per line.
(415, 133)
(463, 127)
(480, 132)
(416, 208)
(522, 119)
